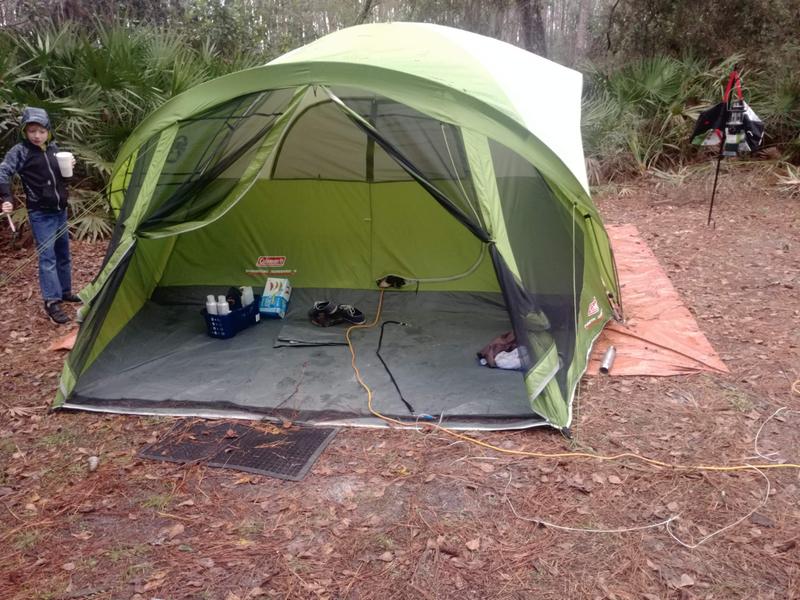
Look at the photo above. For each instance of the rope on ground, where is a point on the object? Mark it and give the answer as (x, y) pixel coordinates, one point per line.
(552, 525)
(666, 523)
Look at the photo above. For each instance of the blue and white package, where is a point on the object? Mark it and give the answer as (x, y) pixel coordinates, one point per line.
(275, 299)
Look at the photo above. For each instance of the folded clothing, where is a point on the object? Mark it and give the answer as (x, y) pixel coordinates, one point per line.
(508, 360)
(504, 343)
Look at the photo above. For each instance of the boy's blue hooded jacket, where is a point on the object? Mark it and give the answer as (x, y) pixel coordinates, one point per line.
(45, 188)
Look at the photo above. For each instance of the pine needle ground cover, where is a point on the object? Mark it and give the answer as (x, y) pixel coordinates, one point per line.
(401, 514)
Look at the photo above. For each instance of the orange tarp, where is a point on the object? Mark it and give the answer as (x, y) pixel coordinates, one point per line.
(65, 342)
(660, 335)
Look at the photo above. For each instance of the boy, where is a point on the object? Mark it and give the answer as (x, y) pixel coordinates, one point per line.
(34, 161)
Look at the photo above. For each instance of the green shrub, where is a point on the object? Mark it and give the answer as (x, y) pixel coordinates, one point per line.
(98, 84)
(640, 116)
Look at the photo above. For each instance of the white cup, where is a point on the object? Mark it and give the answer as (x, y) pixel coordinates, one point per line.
(64, 163)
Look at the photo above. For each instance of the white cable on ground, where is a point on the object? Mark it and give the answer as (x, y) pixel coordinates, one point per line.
(539, 521)
(731, 525)
(755, 443)
(666, 523)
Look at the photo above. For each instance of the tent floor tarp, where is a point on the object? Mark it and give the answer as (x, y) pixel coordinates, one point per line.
(164, 363)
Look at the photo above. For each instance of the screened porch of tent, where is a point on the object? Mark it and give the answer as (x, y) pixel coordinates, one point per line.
(331, 210)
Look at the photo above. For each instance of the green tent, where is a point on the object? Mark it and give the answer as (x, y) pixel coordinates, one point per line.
(447, 159)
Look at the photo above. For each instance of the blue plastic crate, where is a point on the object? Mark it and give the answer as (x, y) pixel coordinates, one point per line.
(227, 326)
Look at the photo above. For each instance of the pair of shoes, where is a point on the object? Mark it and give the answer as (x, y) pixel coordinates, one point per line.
(53, 310)
(325, 313)
(70, 297)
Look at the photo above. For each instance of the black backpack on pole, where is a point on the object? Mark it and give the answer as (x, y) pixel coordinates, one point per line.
(732, 124)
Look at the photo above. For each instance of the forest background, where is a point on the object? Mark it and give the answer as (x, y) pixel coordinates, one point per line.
(650, 67)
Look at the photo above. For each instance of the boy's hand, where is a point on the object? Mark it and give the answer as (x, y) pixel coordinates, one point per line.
(7, 207)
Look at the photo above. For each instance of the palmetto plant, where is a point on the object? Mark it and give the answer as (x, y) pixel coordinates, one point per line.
(100, 79)
(90, 220)
(640, 116)
(791, 181)
(97, 84)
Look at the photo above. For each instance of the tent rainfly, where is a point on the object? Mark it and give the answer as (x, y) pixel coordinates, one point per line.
(447, 159)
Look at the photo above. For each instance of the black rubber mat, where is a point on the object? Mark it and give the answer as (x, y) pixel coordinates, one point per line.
(262, 448)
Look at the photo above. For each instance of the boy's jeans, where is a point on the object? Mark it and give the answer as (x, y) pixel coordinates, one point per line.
(52, 244)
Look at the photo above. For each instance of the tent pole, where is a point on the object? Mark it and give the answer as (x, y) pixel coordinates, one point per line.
(714, 189)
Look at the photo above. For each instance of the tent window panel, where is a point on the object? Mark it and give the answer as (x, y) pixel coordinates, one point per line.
(209, 154)
(137, 176)
(540, 232)
(140, 168)
(322, 144)
(435, 148)
(386, 169)
(86, 350)
(259, 113)
(538, 224)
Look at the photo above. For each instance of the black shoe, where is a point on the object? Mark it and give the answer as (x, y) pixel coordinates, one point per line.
(70, 297)
(53, 310)
(325, 313)
(350, 314)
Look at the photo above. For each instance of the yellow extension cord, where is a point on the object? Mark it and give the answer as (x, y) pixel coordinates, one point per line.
(601, 457)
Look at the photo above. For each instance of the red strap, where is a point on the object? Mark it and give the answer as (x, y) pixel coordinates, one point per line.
(733, 78)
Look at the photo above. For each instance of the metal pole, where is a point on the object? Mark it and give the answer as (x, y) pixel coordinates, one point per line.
(714, 189)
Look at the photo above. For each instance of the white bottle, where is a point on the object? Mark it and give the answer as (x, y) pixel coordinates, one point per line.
(222, 306)
(211, 305)
(247, 295)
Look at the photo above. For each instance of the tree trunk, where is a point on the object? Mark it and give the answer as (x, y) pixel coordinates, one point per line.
(610, 25)
(581, 31)
(364, 13)
(532, 26)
